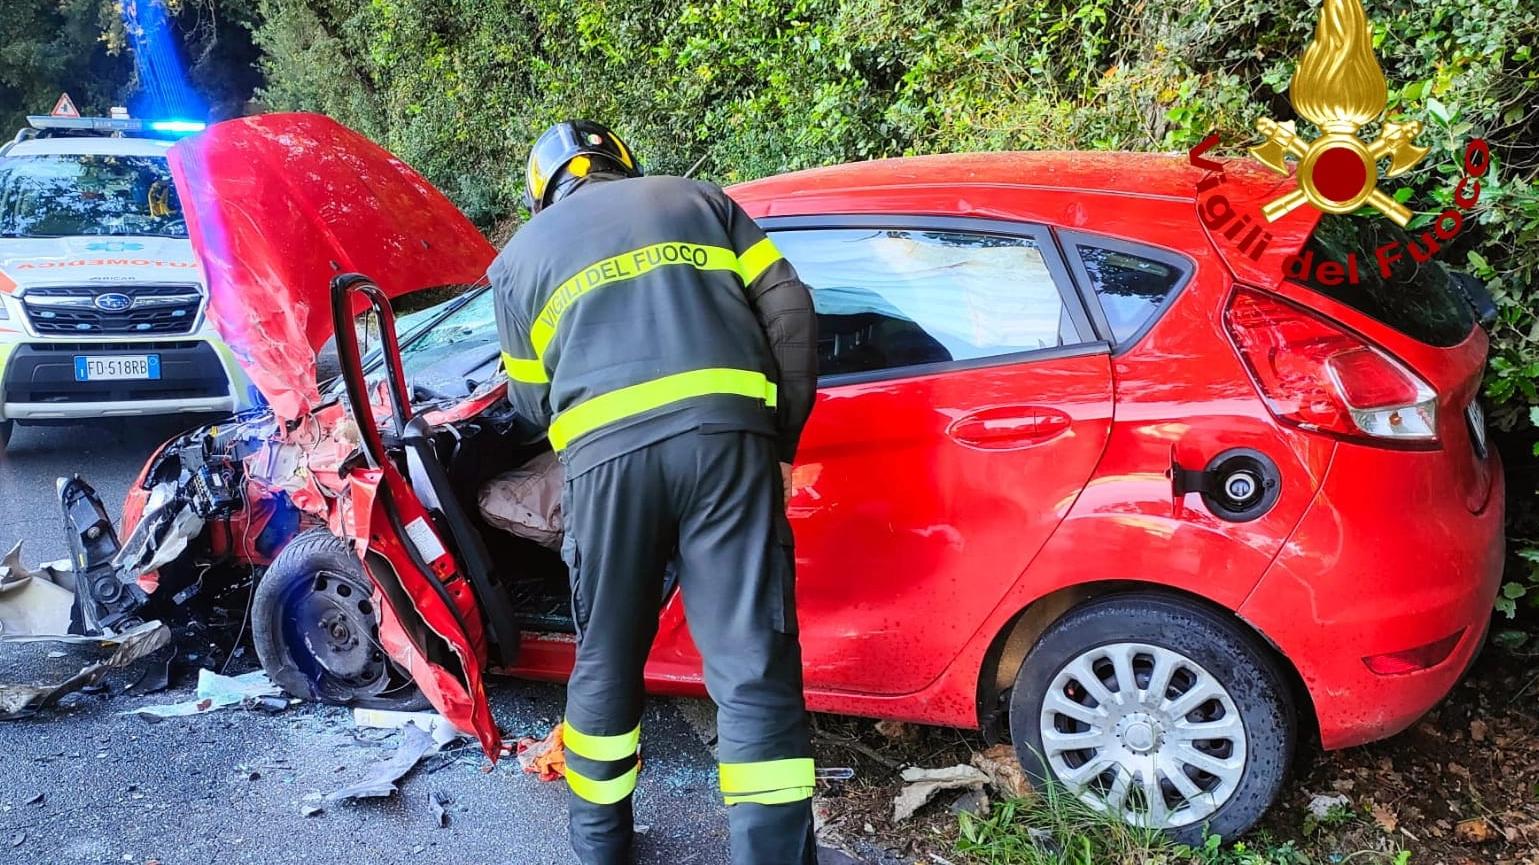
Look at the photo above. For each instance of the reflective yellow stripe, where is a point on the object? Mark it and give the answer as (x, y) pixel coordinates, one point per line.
(757, 259)
(626, 265)
(625, 153)
(766, 776)
(524, 369)
(610, 407)
(602, 792)
(774, 797)
(601, 747)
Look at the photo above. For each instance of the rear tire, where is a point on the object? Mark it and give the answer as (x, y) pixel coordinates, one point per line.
(316, 630)
(6, 427)
(1206, 754)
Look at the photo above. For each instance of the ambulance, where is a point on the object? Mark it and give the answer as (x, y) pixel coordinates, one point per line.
(103, 304)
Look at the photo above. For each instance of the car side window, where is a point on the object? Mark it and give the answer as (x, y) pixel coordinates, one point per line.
(1131, 287)
(892, 298)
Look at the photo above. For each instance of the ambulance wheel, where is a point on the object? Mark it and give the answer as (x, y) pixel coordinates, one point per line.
(316, 629)
(6, 426)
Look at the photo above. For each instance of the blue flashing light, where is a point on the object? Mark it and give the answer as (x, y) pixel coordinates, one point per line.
(120, 125)
(178, 126)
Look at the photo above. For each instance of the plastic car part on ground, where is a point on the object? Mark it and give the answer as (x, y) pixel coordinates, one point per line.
(416, 745)
(37, 670)
(34, 601)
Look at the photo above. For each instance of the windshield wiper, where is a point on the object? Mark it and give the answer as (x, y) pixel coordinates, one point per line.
(458, 302)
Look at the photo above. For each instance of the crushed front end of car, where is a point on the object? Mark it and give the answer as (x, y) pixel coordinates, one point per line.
(208, 507)
(217, 505)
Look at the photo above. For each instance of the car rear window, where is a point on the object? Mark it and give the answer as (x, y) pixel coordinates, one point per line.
(1131, 288)
(1419, 299)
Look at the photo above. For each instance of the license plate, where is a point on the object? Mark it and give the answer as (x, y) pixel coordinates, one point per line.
(117, 367)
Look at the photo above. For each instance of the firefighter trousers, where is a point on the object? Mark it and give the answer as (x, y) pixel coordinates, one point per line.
(713, 500)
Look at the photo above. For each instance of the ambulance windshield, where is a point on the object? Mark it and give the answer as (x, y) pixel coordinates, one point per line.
(75, 195)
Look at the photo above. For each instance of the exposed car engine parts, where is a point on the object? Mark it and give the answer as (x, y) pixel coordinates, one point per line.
(195, 481)
(1238, 485)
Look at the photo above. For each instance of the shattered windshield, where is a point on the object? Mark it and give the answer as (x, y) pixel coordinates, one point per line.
(69, 196)
(467, 338)
(447, 350)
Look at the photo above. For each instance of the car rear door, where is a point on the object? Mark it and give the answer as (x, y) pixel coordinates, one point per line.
(964, 401)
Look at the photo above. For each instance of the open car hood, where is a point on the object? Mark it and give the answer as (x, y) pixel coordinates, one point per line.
(279, 204)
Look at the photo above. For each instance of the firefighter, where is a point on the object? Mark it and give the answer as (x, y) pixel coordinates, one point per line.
(671, 354)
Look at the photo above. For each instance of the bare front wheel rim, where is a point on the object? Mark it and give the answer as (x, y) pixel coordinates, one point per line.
(1145, 732)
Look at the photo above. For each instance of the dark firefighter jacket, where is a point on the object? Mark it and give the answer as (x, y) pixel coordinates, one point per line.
(635, 309)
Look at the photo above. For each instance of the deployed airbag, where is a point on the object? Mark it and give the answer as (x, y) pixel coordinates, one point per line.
(526, 502)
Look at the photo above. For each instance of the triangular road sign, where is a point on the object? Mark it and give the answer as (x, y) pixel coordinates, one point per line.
(65, 107)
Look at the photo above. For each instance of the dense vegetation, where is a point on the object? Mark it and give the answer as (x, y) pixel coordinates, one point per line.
(750, 87)
(156, 57)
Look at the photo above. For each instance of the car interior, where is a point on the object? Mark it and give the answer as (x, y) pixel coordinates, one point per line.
(532, 575)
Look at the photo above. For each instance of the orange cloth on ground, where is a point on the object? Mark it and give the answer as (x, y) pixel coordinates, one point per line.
(544, 757)
(547, 757)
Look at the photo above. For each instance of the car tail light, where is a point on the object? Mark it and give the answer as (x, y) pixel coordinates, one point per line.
(1412, 660)
(1318, 376)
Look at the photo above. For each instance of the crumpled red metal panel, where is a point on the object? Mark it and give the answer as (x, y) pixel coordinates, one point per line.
(449, 610)
(279, 204)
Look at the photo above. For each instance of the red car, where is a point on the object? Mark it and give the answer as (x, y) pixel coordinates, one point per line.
(1080, 468)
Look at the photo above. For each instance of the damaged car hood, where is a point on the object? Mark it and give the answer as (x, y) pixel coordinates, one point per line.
(277, 206)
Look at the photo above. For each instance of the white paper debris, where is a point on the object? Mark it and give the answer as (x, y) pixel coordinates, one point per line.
(215, 692)
(433, 723)
(923, 784)
(1320, 806)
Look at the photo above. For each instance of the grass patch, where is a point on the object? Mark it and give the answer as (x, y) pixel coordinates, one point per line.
(1056, 828)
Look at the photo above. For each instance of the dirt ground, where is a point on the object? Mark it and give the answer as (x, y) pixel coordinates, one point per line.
(1461, 787)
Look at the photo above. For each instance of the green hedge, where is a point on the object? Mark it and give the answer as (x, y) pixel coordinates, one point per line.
(459, 88)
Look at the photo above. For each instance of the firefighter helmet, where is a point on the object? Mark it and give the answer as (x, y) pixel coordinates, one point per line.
(570, 151)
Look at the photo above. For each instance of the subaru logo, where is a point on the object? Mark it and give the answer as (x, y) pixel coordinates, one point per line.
(114, 302)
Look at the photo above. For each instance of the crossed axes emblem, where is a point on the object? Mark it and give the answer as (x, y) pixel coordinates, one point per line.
(1340, 88)
(1342, 151)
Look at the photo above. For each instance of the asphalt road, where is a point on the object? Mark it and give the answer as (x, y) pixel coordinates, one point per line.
(231, 786)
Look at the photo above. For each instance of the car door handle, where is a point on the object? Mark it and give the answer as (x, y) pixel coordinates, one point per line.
(1011, 426)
